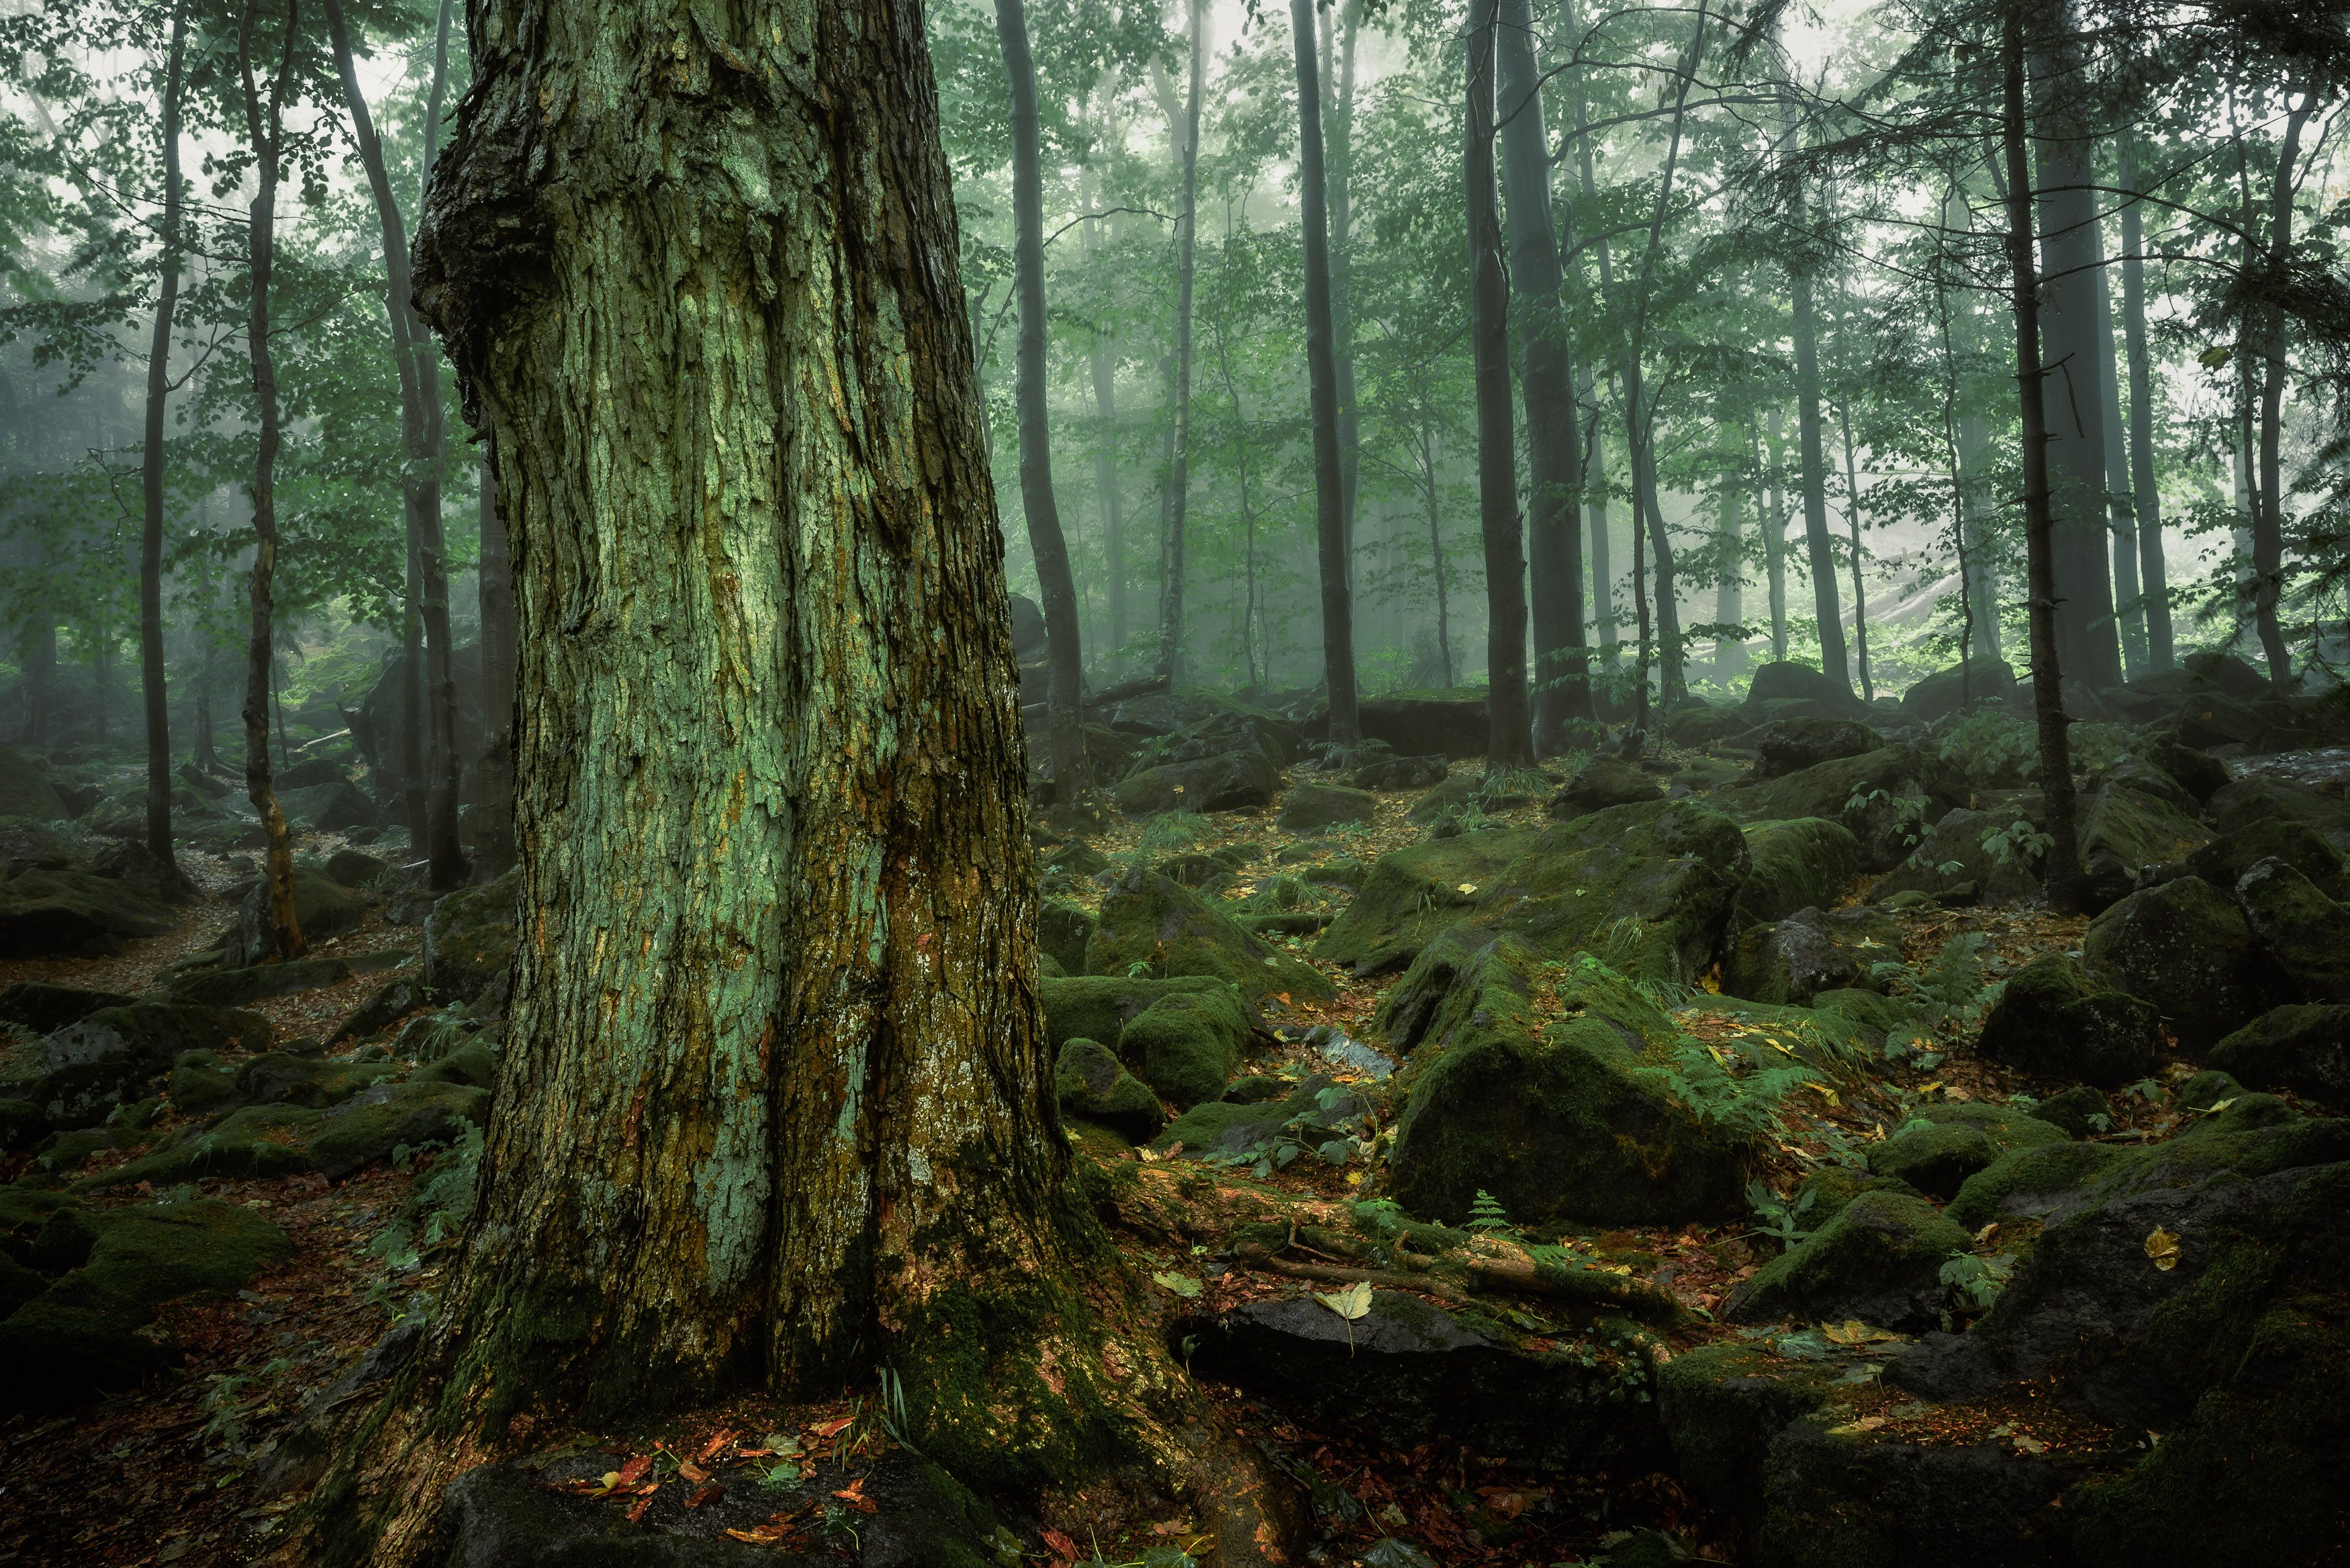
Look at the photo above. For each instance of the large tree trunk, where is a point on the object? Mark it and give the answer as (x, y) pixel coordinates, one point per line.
(775, 1105)
(281, 935)
(1562, 691)
(1065, 742)
(1347, 23)
(493, 776)
(2273, 368)
(1591, 460)
(1510, 736)
(2063, 878)
(152, 676)
(2067, 202)
(1179, 459)
(1819, 550)
(2146, 496)
(420, 432)
(1322, 385)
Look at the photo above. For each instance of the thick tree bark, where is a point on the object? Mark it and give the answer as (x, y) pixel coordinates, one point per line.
(1179, 460)
(420, 432)
(1322, 385)
(1065, 736)
(494, 774)
(2146, 496)
(2063, 878)
(1510, 736)
(1562, 690)
(281, 935)
(152, 680)
(2273, 368)
(2067, 216)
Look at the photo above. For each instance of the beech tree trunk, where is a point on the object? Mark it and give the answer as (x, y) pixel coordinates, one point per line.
(1561, 688)
(1728, 652)
(1345, 24)
(1510, 735)
(1811, 445)
(2273, 368)
(1179, 459)
(2146, 496)
(152, 680)
(2062, 876)
(1065, 656)
(281, 934)
(1322, 384)
(1591, 460)
(1774, 538)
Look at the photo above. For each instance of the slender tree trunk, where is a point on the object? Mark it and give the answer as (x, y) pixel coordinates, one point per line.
(1593, 458)
(2146, 496)
(1510, 742)
(1960, 541)
(1728, 652)
(152, 676)
(493, 776)
(1820, 552)
(2067, 217)
(1347, 24)
(281, 936)
(1103, 364)
(2273, 368)
(1775, 541)
(39, 663)
(1179, 466)
(101, 676)
(2121, 519)
(1435, 536)
(1562, 690)
(2064, 863)
(1322, 382)
(1974, 464)
(1065, 722)
(1852, 528)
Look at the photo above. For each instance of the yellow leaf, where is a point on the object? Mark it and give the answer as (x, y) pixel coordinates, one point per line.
(2163, 1247)
(1929, 1088)
(1468, 887)
(1852, 1330)
(1352, 1303)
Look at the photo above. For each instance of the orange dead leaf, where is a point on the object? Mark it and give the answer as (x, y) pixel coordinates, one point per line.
(830, 1428)
(632, 1472)
(853, 1494)
(706, 1494)
(710, 1448)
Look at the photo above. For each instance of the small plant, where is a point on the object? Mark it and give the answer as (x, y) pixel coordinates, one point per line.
(1488, 1218)
(1977, 1281)
(1951, 988)
(1747, 1107)
(2020, 847)
(1780, 1220)
(1320, 1130)
(1172, 833)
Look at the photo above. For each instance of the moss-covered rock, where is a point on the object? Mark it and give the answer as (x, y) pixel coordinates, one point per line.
(317, 1081)
(2051, 1023)
(469, 938)
(2305, 1049)
(200, 1082)
(1604, 781)
(473, 1065)
(1185, 1046)
(1886, 797)
(1879, 1259)
(1093, 1083)
(44, 1007)
(1722, 1406)
(1828, 1190)
(1837, 1495)
(1062, 931)
(1786, 746)
(257, 982)
(254, 1143)
(2261, 798)
(2080, 1110)
(115, 1054)
(2126, 830)
(1809, 863)
(1554, 1120)
(1793, 960)
(2226, 858)
(26, 788)
(369, 1126)
(1100, 1006)
(1232, 781)
(2306, 932)
(1955, 1142)
(330, 807)
(1988, 856)
(48, 912)
(1153, 925)
(1412, 894)
(1311, 807)
(2185, 947)
(321, 910)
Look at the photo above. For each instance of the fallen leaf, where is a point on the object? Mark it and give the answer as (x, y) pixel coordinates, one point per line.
(644, 1501)
(1987, 1232)
(1852, 1330)
(1060, 1545)
(832, 1428)
(2163, 1247)
(632, 1472)
(709, 1450)
(1468, 887)
(853, 1494)
(1866, 1424)
(689, 1470)
(2031, 1446)
(706, 1494)
(1181, 1284)
(1352, 1303)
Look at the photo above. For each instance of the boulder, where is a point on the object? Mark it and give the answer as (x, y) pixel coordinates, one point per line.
(1557, 1120)
(200, 1083)
(310, 772)
(1810, 863)
(1401, 773)
(1837, 1494)
(1260, 1114)
(25, 789)
(257, 983)
(1987, 857)
(114, 1056)
(1887, 798)
(330, 807)
(1791, 961)
(2223, 861)
(1426, 723)
(1722, 1404)
(1312, 807)
(321, 910)
(315, 1082)
(1099, 1006)
(2306, 932)
(1983, 681)
(379, 724)
(1605, 782)
(2305, 1049)
(2259, 798)
(1783, 681)
(48, 912)
(1790, 745)
(1233, 780)
(1185, 1044)
(2126, 832)
(44, 1008)
(1154, 922)
(2199, 772)
(2049, 1022)
(1091, 1083)
(1955, 1142)
(469, 938)
(1062, 931)
(355, 867)
(2185, 947)
(372, 1123)
(132, 863)
(1879, 1259)
(1407, 1373)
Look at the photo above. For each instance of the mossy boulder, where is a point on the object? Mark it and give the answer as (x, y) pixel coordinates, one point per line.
(1157, 924)
(1410, 896)
(44, 1007)
(473, 1065)
(469, 938)
(1311, 807)
(371, 1124)
(1809, 863)
(2305, 1049)
(2080, 1110)
(1555, 1120)
(330, 807)
(2259, 798)
(1879, 1259)
(2185, 947)
(256, 1143)
(1887, 798)
(1722, 1406)
(317, 1081)
(1232, 781)
(115, 1054)
(355, 867)
(81, 1335)
(1100, 1006)
(2304, 931)
(46, 913)
(2049, 1022)
(1786, 746)
(1604, 781)
(1838, 1495)
(1185, 1044)
(1829, 1190)
(2125, 831)
(258, 982)
(1062, 931)
(200, 1083)
(1955, 1142)
(1092, 1082)
(2224, 860)
(1989, 856)
(1793, 960)
(26, 788)
(321, 909)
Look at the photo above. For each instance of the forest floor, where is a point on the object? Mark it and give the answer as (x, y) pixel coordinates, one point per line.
(171, 1473)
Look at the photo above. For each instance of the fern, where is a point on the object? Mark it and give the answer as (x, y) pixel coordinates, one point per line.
(1747, 1107)
(1488, 1218)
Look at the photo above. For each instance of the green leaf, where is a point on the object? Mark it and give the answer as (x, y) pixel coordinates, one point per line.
(1181, 1284)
